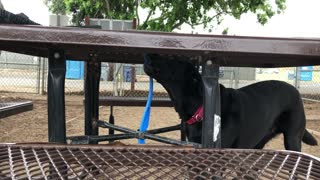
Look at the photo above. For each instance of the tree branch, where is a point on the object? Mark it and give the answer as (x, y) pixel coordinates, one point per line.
(177, 25)
(107, 7)
(137, 14)
(148, 17)
(210, 19)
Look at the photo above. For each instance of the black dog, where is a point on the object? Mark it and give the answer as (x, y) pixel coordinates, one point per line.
(250, 116)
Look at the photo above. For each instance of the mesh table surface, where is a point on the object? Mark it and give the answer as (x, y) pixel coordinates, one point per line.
(44, 161)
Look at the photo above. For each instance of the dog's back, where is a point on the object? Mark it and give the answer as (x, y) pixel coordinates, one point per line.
(266, 109)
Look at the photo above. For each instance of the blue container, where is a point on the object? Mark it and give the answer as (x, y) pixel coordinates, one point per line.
(127, 73)
(306, 73)
(104, 73)
(75, 69)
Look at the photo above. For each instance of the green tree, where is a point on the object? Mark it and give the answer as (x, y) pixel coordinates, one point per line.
(56, 6)
(167, 15)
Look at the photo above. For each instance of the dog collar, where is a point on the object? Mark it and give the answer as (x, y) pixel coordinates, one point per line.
(197, 116)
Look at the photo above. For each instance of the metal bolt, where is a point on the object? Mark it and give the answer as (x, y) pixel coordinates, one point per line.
(209, 63)
(93, 55)
(94, 123)
(199, 59)
(56, 55)
(141, 135)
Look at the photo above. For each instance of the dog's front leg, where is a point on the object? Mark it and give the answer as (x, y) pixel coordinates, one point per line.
(229, 133)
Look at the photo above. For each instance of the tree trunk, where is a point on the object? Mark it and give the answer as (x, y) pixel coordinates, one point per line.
(1, 5)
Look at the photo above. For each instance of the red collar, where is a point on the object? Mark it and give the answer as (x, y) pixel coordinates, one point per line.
(197, 116)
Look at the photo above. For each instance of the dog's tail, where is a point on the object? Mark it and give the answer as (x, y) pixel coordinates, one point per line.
(309, 139)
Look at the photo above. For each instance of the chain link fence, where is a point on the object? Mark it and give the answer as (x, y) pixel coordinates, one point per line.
(123, 85)
(28, 74)
(306, 79)
(19, 73)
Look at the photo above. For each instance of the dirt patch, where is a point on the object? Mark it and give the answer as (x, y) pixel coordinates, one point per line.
(4, 99)
(31, 126)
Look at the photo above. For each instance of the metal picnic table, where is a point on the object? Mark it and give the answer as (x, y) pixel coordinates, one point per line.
(96, 46)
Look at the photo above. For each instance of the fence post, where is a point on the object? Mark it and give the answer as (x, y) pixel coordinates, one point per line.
(133, 69)
(297, 77)
(6, 59)
(43, 75)
(237, 74)
(231, 79)
(38, 75)
(121, 78)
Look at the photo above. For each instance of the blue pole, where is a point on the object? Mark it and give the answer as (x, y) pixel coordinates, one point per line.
(146, 116)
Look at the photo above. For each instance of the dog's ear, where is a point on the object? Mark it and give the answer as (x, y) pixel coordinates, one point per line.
(222, 88)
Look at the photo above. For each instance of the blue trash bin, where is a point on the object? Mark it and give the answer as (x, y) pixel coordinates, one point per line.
(75, 69)
(306, 73)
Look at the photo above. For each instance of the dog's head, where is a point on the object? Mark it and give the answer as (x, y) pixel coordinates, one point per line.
(169, 70)
(183, 83)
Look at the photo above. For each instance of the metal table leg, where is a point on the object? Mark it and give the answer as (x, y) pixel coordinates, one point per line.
(211, 125)
(111, 121)
(56, 101)
(183, 131)
(92, 82)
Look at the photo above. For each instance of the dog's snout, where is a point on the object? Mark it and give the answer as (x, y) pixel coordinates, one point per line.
(148, 69)
(152, 65)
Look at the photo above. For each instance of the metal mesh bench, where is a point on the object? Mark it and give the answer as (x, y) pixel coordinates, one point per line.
(39, 161)
(11, 108)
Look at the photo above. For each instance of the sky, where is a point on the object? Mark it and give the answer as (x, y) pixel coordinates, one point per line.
(300, 19)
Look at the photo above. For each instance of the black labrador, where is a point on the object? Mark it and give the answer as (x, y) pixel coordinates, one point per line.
(250, 116)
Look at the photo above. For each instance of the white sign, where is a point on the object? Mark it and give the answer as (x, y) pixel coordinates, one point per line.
(216, 129)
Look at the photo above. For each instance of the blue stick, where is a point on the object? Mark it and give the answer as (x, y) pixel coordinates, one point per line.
(146, 116)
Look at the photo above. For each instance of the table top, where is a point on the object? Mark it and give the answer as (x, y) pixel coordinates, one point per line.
(33, 161)
(129, 46)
